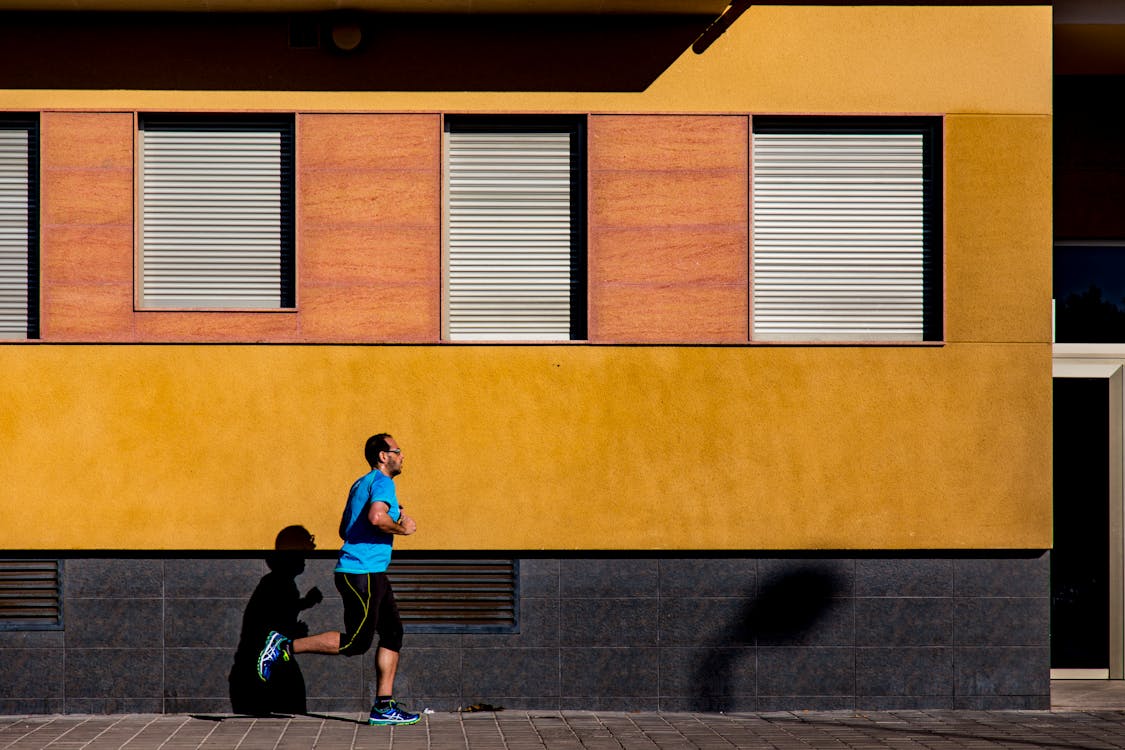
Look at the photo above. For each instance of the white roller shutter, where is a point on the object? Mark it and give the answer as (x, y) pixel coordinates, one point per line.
(216, 213)
(508, 234)
(839, 236)
(17, 228)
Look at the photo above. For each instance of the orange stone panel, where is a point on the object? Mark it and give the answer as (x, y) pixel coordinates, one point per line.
(87, 227)
(647, 199)
(669, 313)
(87, 312)
(90, 197)
(369, 250)
(234, 326)
(83, 254)
(668, 142)
(87, 140)
(357, 198)
(668, 228)
(383, 313)
(661, 255)
(369, 255)
(352, 141)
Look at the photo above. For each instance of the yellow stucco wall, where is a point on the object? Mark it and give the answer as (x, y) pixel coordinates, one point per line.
(552, 447)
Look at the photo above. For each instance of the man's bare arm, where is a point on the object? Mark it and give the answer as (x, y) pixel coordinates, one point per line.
(379, 517)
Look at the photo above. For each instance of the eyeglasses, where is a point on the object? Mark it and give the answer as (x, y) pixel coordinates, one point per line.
(393, 450)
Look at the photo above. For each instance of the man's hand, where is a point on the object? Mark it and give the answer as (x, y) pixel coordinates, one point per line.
(408, 525)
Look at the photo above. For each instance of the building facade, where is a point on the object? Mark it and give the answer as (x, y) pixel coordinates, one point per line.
(720, 332)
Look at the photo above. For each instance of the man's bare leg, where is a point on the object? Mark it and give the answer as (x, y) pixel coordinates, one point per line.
(321, 643)
(386, 664)
(386, 661)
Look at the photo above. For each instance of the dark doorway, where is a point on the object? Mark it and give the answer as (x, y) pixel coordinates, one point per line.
(1080, 558)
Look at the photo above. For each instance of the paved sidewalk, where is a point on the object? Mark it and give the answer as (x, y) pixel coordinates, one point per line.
(1087, 695)
(570, 730)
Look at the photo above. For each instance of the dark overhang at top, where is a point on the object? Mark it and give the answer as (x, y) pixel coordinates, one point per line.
(486, 7)
(1089, 37)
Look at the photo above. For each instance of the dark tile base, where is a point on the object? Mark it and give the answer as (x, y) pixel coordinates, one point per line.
(672, 633)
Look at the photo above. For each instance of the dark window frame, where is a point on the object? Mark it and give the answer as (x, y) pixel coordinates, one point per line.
(577, 126)
(931, 128)
(288, 223)
(32, 123)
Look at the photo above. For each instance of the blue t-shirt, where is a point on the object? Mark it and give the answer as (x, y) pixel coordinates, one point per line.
(366, 549)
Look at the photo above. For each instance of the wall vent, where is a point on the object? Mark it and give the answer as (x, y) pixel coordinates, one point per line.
(30, 595)
(438, 595)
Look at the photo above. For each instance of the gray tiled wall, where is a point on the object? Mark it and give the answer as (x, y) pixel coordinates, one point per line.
(150, 634)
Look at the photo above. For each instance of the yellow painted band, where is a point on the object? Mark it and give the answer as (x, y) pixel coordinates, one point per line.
(531, 447)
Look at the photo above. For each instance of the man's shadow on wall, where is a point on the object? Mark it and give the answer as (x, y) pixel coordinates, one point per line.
(276, 604)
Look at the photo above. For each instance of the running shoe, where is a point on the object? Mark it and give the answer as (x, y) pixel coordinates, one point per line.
(277, 647)
(391, 715)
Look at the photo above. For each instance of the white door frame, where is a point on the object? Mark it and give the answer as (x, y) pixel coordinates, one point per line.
(1113, 370)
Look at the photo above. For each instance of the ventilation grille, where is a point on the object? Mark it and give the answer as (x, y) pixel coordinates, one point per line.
(447, 596)
(29, 595)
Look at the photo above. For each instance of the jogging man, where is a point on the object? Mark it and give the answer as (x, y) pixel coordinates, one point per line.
(371, 518)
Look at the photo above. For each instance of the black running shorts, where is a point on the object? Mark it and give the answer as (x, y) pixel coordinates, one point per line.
(369, 608)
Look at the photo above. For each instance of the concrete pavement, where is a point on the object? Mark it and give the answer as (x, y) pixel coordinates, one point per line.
(1085, 716)
(1085, 695)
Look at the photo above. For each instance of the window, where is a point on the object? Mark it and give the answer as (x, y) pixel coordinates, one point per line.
(447, 595)
(1089, 292)
(514, 255)
(19, 224)
(216, 213)
(29, 595)
(846, 230)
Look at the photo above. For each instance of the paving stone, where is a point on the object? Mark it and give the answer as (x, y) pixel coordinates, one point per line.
(581, 730)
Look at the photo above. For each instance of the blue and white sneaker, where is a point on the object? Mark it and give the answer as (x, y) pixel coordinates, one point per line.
(277, 647)
(391, 715)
